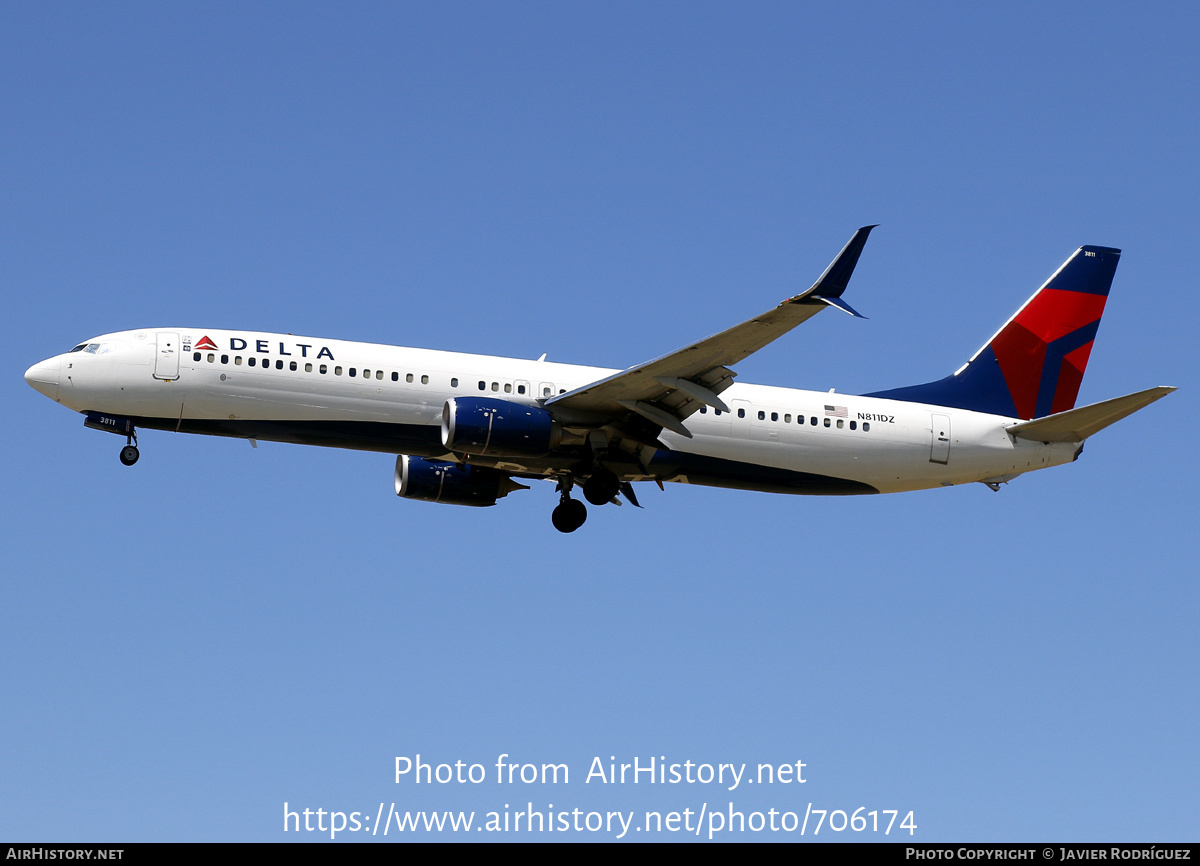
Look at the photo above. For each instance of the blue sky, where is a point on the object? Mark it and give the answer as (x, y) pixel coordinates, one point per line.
(194, 642)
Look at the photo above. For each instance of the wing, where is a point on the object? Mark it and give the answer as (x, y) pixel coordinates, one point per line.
(667, 390)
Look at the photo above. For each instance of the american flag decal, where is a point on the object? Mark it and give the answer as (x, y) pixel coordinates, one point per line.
(836, 411)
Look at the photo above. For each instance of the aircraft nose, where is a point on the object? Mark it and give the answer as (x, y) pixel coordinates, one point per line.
(43, 377)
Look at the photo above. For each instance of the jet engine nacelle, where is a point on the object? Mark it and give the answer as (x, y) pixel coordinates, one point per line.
(482, 425)
(452, 483)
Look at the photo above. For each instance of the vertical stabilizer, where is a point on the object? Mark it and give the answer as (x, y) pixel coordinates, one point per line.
(1034, 364)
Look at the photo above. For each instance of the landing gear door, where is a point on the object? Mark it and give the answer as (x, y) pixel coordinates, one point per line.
(939, 450)
(166, 356)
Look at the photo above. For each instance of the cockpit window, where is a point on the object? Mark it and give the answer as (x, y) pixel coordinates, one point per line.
(90, 348)
(79, 348)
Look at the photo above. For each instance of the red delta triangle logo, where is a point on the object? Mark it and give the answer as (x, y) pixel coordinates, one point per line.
(205, 343)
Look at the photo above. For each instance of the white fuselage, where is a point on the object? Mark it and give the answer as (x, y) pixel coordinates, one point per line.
(269, 386)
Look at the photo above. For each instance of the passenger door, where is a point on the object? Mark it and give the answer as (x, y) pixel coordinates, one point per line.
(166, 355)
(939, 448)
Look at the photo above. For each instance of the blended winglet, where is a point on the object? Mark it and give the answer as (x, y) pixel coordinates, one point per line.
(829, 286)
(836, 277)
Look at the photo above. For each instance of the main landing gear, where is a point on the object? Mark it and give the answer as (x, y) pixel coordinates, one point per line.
(602, 486)
(570, 513)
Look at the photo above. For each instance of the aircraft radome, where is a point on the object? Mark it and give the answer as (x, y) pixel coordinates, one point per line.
(467, 429)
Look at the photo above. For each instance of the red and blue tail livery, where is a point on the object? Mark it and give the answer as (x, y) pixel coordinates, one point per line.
(1034, 365)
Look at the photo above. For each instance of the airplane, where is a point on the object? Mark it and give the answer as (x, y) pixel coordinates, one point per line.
(467, 429)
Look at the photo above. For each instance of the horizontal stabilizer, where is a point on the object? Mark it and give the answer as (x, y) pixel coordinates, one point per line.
(1075, 425)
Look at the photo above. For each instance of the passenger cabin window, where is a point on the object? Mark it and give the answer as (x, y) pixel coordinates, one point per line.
(454, 383)
(482, 385)
(252, 361)
(308, 368)
(424, 380)
(196, 357)
(741, 413)
(409, 379)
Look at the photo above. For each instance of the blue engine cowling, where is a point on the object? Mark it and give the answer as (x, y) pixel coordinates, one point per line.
(452, 483)
(482, 425)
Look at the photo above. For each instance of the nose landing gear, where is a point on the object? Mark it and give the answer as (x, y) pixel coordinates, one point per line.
(120, 426)
(130, 453)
